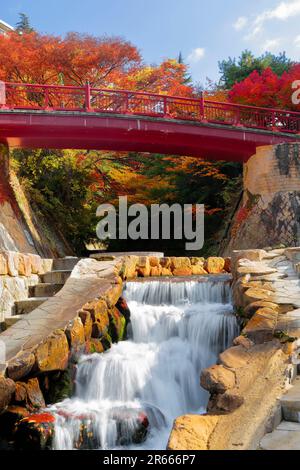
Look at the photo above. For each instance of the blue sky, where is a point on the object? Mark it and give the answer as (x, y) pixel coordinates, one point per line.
(205, 31)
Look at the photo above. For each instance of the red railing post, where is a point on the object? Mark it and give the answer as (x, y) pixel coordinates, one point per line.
(202, 106)
(127, 103)
(2, 94)
(238, 117)
(274, 127)
(165, 106)
(88, 97)
(46, 100)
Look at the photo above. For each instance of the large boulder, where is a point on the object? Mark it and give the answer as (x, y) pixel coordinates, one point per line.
(198, 270)
(113, 294)
(192, 432)
(217, 379)
(166, 272)
(3, 265)
(123, 308)
(87, 322)
(128, 270)
(23, 264)
(154, 261)
(156, 271)
(251, 255)
(214, 265)
(7, 389)
(36, 263)
(165, 262)
(29, 394)
(262, 325)
(143, 266)
(97, 309)
(53, 353)
(99, 316)
(21, 365)
(235, 357)
(252, 308)
(11, 260)
(225, 403)
(117, 328)
(181, 266)
(75, 334)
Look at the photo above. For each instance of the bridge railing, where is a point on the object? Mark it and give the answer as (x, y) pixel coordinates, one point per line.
(22, 96)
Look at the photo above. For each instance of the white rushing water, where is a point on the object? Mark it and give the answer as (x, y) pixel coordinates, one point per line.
(176, 330)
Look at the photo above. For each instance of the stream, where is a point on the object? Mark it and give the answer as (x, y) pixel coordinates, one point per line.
(129, 396)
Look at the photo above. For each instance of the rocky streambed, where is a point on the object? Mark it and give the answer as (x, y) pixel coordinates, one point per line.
(129, 396)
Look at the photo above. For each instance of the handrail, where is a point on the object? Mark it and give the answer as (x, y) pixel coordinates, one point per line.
(31, 96)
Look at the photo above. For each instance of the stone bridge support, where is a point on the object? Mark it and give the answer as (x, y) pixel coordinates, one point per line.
(269, 213)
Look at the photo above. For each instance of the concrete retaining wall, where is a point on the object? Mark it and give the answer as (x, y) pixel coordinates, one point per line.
(18, 271)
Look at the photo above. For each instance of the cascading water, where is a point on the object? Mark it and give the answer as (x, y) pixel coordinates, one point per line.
(176, 330)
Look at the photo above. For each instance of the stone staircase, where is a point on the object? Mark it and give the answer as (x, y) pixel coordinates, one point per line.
(49, 285)
(287, 435)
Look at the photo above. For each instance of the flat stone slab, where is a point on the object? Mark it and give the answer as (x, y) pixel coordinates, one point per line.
(288, 426)
(23, 307)
(45, 289)
(56, 277)
(281, 440)
(65, 264)
(290, 403)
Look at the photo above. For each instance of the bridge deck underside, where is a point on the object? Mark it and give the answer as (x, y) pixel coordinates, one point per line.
(133, 133)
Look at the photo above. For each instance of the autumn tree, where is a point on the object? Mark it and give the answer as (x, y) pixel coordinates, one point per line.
(234, 71)
(74, 60)
(267, 89)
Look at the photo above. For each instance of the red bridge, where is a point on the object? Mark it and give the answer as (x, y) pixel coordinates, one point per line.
(46, 116)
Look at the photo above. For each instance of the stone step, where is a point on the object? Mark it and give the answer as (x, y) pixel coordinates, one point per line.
(45, 290)
(10, 321)
(285, 437)
(55, 277)
(290, 403)
(65, 264)
(23, 307)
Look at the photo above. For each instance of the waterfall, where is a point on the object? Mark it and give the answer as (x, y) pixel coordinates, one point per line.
(176, 330)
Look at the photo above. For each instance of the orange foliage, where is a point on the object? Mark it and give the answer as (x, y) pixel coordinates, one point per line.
(77, 59)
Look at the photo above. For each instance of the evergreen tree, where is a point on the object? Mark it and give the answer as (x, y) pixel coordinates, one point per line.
(234, 71)
(23, 25)
(187, 78)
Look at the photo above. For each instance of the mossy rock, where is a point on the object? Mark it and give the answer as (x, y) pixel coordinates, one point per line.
(117, 325)
(106, 341)
(58, 386)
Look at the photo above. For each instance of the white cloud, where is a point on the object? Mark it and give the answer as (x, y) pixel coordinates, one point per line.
(255, 26)
(253, 33)
(271, 45)
(196, 55)
(240, 23)
(283, 11)
(297, 41)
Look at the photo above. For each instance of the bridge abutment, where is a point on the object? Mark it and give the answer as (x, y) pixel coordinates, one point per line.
(269, 213)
